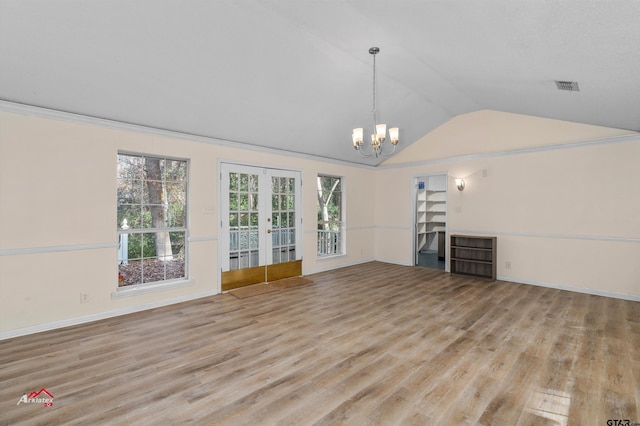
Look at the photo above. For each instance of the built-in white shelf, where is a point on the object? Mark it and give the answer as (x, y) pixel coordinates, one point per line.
(431, 217)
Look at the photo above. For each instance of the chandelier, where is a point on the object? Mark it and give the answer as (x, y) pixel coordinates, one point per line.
(380, 130)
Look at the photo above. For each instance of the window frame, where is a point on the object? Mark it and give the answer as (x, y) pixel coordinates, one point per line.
(170, 281)
(340, 242)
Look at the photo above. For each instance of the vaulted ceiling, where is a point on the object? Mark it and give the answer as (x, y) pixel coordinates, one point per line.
(296, 75)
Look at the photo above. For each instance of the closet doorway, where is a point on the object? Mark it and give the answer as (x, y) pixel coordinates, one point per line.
(431, 220)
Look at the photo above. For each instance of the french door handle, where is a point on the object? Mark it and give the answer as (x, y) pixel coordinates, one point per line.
(268, 231)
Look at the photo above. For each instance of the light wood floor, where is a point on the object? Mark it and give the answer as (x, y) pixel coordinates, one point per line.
(369, 344)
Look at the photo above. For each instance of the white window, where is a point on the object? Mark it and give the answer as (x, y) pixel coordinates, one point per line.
(330, 236)
(152, 219)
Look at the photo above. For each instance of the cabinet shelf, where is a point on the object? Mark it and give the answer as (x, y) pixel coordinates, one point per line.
(474, 256)
(471, 248)
(461, 259)
(431, 220)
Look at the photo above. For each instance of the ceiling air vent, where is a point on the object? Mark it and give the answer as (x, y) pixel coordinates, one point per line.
(571, 86)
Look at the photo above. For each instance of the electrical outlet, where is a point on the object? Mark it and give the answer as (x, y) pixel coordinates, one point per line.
(458, 209)
(507, 264)
(84, 297)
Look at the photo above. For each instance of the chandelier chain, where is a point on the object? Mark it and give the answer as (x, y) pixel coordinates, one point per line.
(373, 108)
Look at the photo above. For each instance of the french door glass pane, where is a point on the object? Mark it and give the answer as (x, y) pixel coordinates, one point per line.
(283, 219)
(233, 181)
(243, 221)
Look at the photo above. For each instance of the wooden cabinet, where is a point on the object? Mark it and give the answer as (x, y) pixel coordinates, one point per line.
(474, 256)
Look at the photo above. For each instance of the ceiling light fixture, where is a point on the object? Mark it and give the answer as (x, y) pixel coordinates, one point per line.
(380, 130)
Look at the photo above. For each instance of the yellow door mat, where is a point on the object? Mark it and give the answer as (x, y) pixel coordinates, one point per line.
(290, 282)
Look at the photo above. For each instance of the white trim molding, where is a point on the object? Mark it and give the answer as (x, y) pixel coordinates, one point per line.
(577, 144)
(593, 291)
(121, 125)
(396, 228)
(547, 235)
(150, 288)
(54, 249)
(342, 265)
(100, 316)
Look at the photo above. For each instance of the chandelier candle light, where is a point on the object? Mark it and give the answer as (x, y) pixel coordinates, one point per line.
(380, 130)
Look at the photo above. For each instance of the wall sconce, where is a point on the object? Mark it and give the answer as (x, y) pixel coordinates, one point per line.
(460, 184)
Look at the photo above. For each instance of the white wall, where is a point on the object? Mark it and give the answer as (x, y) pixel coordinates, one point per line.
(58, 234)
(566, 215)
(488, 131)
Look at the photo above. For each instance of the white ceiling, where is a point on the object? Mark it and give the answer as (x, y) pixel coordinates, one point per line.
(296, 74)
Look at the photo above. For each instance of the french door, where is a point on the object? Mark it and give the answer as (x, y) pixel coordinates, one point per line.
(261, 225)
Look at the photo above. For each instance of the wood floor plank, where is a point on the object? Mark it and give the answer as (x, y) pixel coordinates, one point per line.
(370, 344)
(510, 402)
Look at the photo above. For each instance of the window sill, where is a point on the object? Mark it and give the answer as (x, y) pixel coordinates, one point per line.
(150, 288)
(330, 256)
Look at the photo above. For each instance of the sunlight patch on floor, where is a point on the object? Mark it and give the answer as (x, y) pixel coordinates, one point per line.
(550, 404)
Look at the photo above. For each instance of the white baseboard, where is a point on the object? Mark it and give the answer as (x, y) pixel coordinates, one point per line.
(395, 262)
(99, 316)
(595, 292)
(123, 311)
(342, 265)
